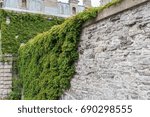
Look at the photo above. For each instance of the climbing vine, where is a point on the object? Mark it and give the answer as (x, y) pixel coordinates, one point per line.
(18, 28)
(21, 28)
(46, 62)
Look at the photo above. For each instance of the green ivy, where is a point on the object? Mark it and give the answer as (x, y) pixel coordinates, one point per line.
(17, 88)
(46, 62)
(22, 27)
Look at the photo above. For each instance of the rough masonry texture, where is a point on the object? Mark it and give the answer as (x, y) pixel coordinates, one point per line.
(114, 61)
(5, 77)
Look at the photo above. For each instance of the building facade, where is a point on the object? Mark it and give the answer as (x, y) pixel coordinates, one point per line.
(103, 2)
(50, 7)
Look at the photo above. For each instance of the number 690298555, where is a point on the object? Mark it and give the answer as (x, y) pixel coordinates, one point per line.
(106, 109)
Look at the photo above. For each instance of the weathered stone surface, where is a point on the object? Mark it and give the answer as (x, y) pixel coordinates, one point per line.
(5, 77)
(115, 58)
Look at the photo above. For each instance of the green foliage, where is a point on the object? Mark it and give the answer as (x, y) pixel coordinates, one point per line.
(1, 18)
(17, 88)
(46, 62)
(22, 27)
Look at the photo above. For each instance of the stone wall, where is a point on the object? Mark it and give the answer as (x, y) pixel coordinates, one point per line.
(114, 61)
(5, 76)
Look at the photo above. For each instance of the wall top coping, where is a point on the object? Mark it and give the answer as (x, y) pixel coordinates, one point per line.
(120, 7)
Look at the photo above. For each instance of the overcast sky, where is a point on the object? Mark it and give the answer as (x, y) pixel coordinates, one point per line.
(94, 2)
